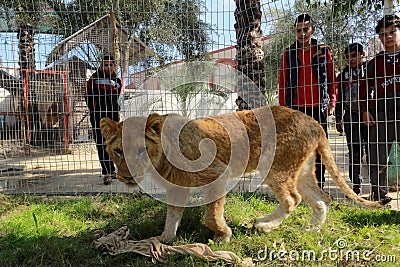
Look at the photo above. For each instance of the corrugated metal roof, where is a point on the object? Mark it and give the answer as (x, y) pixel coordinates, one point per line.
(98, 33)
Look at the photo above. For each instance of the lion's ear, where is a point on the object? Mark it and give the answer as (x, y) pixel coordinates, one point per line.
(108, 127)
(154, 124)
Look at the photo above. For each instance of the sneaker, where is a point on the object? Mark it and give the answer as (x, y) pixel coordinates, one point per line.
(385, 200)
(107, 178)
(356, 189)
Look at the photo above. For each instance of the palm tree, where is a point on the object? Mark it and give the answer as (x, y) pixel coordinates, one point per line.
(249, 53)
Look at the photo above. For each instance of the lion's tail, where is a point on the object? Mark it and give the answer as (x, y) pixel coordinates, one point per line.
(325, 151)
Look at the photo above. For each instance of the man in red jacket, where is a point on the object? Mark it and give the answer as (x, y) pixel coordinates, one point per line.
(308, 80)
(102, 93)
(381, 104)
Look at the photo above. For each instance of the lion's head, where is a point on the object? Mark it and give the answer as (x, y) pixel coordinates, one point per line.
(137, 135)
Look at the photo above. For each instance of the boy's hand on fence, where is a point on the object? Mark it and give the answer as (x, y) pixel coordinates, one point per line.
(339, 126)
(368, 119)
(331, 109)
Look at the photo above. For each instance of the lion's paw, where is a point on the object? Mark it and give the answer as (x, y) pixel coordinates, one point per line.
(265, 227)
(223, 237)
(165, 238)
(314, 228)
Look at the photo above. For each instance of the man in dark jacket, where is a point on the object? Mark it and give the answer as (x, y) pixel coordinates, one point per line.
(347, 111)
(102, 92)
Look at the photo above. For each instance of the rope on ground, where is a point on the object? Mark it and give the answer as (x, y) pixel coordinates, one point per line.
(118, 242)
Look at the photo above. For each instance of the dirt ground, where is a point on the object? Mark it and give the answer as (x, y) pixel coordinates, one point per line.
(77, 172)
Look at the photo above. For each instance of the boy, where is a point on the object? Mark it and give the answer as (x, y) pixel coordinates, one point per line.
(381, 105)
(307, 79)
(102, 93)
(348, 103)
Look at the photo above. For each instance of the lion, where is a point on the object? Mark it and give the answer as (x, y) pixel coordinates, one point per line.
(291, 176)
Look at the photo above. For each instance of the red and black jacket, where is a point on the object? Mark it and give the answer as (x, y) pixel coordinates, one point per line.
(102, 93)
(319, 86)
(381, 89)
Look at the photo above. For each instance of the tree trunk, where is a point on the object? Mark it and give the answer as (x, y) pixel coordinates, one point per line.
(115, 45)
(31, 122)
(249, 54)
(26, 48)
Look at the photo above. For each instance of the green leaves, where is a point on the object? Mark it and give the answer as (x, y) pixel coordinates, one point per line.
(22, 12)
(341, 7)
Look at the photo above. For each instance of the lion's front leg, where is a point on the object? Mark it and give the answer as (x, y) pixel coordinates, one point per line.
(176, 197)
(172, 221)
(215, 220)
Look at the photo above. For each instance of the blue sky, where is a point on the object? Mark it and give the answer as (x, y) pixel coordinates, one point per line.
(9, 48)
(220, 14)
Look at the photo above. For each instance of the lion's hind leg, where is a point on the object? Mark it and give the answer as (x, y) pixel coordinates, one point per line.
(312, 194)
(288, 197)
(214, 220)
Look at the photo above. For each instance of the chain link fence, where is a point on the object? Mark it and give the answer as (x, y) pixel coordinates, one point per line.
(47, 144)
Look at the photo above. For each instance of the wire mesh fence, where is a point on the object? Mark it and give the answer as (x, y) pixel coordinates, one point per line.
(50, 49)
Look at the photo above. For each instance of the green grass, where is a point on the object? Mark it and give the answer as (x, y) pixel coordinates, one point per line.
(38, 231)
